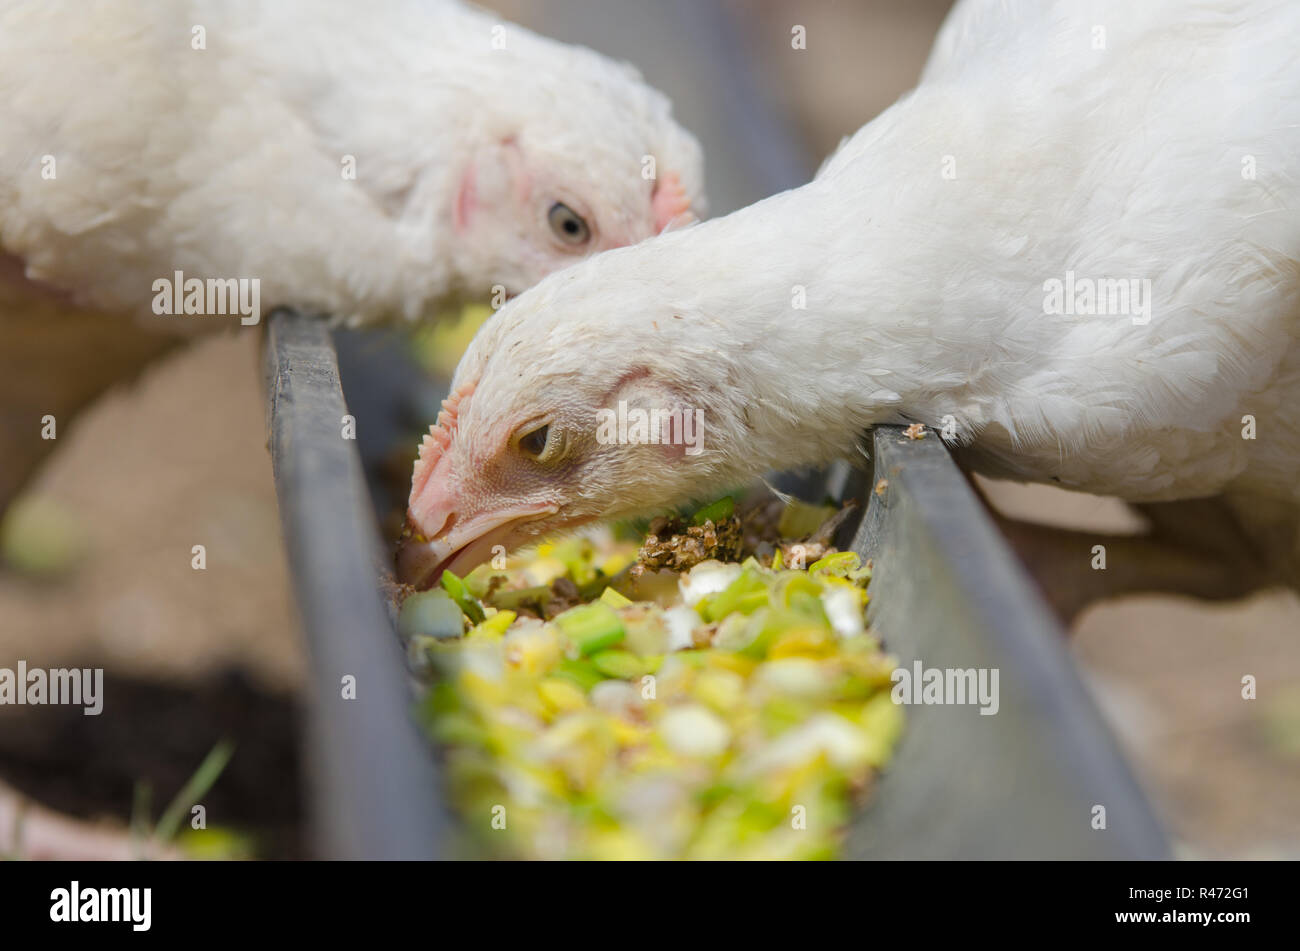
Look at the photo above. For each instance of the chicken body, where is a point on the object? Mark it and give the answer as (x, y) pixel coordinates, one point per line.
(1149, 152)
(364, 162)
(360, 161)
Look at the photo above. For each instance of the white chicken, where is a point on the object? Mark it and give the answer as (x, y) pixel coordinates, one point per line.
(1074, 250)
(362, 161)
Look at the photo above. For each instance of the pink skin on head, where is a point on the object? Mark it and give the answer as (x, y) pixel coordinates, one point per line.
(465, 201)
(670, 202)
(432, 449)
(431, 504)
(467, 198)
(437, 539)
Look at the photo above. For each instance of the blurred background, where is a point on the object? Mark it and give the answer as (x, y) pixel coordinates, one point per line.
(98, 569)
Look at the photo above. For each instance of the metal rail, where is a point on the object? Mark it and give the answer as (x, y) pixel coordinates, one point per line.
(373, 782)
(1027, 781)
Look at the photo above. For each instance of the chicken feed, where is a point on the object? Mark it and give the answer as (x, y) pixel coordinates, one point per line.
(598, 698)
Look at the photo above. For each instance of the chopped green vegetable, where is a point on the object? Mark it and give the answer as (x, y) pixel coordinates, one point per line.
(839, 563)
(430, 613)
(623, 665)
(799, 520)
(460, 594)
(725, 507)
(614, 599)
(495, 626)
(745, 595)
(590, 628)
(479, 581)
(689, 723)
(515, 599)
(584, 673)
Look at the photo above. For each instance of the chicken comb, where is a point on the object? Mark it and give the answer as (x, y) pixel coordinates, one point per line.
(438, 438)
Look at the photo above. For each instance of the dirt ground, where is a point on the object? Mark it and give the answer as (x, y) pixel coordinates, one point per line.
(179, 459)
(175, 461)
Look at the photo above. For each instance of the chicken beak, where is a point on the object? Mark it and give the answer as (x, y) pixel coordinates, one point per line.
(419, 560)
(670, 203)
(448, 532)
(461, 546)
(431, 536)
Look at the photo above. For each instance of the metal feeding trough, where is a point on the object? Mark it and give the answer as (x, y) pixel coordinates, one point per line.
(1026, 781)
(948, 594)
(1029, 781)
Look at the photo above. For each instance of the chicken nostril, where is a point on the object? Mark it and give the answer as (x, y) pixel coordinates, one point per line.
(422, 528)
(447, 526)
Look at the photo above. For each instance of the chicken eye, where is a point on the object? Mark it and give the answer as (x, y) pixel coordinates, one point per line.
(534, 443)
(567, 224)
